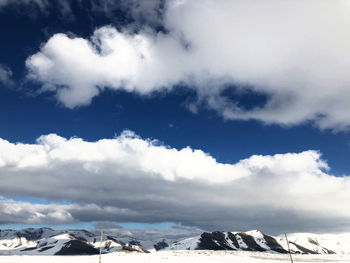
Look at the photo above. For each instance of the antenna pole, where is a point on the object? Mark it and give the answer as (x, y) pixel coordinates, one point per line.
(290, 254)
(100, 247)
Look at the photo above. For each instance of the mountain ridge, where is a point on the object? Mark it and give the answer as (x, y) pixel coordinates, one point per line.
(46, 241)
(255, 240)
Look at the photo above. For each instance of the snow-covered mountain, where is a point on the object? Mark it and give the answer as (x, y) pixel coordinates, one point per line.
(300, 243)
(46, 241)
(317, 243)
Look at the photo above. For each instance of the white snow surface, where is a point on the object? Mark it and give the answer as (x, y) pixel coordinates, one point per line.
(200, 256)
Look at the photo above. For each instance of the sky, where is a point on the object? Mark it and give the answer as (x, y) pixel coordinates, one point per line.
(175, 115)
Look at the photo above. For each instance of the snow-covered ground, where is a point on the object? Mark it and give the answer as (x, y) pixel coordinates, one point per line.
(180, 257)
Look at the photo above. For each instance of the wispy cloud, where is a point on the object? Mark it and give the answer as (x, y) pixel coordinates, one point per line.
(6, 76)
(137, 12)
(42, 5)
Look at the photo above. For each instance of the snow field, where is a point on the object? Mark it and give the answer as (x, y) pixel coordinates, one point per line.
(204, 256)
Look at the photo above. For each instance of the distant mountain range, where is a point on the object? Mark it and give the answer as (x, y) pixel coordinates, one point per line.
(46, 241)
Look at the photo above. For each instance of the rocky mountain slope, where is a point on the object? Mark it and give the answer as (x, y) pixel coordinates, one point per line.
(300, 243)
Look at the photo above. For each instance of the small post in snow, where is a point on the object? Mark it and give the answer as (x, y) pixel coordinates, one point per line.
(290, 254)
(100, 247)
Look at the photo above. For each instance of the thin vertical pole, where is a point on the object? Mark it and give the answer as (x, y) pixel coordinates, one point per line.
(290, 254)
(100, 247)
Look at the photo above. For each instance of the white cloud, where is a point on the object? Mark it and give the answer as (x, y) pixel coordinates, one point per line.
(23, 212)
(129, 179)
(296, 53)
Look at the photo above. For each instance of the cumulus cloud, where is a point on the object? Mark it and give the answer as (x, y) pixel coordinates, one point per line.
(130, 179)
(294, 53)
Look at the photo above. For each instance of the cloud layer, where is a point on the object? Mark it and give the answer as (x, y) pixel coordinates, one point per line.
(129, 179)
(295, 53)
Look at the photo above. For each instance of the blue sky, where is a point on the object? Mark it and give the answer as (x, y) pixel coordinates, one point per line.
(165, 118)
(256, 109)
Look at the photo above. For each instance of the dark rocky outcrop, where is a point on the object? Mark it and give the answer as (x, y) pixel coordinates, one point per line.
(273, 244)
(250, 242)
(161, 245)
(77, 247)
(213, 241)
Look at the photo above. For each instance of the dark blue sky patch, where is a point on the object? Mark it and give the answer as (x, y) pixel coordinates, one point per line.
(244, 97)
(164, 117)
